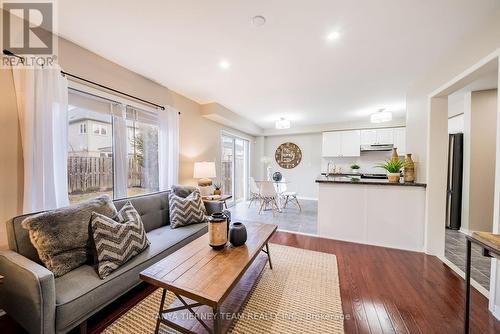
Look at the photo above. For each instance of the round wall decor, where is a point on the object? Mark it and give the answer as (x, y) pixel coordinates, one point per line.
(288, 155)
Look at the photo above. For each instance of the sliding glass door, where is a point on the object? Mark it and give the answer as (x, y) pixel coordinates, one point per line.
(234, 166)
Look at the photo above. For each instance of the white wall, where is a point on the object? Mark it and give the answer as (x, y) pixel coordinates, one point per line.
(366, 161)
(473, 47)
(482, 160)
(302, 178)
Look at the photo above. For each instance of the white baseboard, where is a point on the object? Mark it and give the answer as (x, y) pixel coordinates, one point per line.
(464, 230)
(307, 198)
(496, 312)
(459, 271)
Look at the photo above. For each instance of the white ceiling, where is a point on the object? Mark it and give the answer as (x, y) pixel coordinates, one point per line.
(285, 68)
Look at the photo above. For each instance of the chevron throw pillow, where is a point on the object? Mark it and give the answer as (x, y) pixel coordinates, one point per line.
(117, 239)
(185, 211)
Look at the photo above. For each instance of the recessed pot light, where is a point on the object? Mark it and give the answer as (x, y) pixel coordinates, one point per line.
(333, 36)
(224, 64)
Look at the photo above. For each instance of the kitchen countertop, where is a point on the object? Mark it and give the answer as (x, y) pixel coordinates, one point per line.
(348, 180)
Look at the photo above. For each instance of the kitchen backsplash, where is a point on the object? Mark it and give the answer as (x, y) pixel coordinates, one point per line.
(366, 161)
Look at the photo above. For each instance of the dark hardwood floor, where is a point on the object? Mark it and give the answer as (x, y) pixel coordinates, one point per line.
(383, 291)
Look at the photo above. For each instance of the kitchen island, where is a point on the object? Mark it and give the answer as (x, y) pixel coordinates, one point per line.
(373, 212)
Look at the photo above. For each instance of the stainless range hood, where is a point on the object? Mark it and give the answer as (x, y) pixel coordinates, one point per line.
(376, 147)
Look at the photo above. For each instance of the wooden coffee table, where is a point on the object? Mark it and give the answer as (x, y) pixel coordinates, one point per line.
(210, 286)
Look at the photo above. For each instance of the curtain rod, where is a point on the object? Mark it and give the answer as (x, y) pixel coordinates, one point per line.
(10, 53)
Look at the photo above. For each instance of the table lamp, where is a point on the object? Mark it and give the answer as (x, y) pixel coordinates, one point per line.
(203, 171)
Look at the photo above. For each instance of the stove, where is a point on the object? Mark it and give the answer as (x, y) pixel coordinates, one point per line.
(374, 176)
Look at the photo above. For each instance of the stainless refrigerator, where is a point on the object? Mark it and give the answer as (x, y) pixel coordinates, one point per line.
(454, 189)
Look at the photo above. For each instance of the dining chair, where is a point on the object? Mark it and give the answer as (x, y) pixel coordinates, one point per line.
(268, 197)
(289, 196)
(254, 191)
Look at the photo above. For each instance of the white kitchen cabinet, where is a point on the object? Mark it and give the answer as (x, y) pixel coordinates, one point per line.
(385, 136)
(377, 136)
(341, 144)
(368, 137)
(350, 143)
(331, 144)
(400, 140)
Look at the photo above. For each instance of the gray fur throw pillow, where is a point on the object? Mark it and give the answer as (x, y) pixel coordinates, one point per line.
(117, 240)
(61, 236)
(183, 191)
(185, 211)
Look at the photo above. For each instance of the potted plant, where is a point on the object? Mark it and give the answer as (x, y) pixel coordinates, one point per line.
(355, 168)
(393, 168)
(217, 190)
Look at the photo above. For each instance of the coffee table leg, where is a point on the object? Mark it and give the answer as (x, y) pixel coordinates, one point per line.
(161, 309)
(217, 320)
(269, 256)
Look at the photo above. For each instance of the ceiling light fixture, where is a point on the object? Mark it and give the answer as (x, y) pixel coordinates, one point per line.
(224, 64)
(258, 20)
(282, 123)
(333, 36)
(381, 116)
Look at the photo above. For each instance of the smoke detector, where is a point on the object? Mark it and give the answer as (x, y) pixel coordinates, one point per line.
(258, 20)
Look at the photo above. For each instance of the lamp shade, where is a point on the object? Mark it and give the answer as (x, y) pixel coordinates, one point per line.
(204, 170)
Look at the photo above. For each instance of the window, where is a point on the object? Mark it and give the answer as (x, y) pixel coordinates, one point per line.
(120, 158)
(142, 133)
(100, 129)
(234, 169)
(83, 128)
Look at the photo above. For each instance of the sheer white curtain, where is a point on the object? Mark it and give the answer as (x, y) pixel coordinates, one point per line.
(120, 138)
(168, 145)
(42, 103)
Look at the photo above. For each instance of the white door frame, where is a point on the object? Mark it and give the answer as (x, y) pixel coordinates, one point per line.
(437, 142)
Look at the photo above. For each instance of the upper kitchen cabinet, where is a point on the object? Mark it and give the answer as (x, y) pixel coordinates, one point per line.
(400, 140)
(385, 136)
(341, 144)
(377, 137)
(368, 137)
(331, 144)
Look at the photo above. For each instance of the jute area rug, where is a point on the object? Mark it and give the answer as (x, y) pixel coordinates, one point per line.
(301, 295)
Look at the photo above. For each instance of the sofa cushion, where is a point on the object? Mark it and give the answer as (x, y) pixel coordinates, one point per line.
(61, 236)
(182, 191)
(185, 211)
(153, 208)
(81, 292)
(116, 240)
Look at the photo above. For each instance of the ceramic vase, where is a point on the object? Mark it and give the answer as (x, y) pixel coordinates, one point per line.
(409, 170)
(237, 234)
(394, 155)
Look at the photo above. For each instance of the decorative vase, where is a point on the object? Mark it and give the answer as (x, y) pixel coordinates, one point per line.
(409, 169)
(217, 192)
(237, 234)
(393, 177)
(354, 170)
(394, 155)
(217, 230)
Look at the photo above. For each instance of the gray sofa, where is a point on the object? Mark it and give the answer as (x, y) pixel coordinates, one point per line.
(43, 304)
